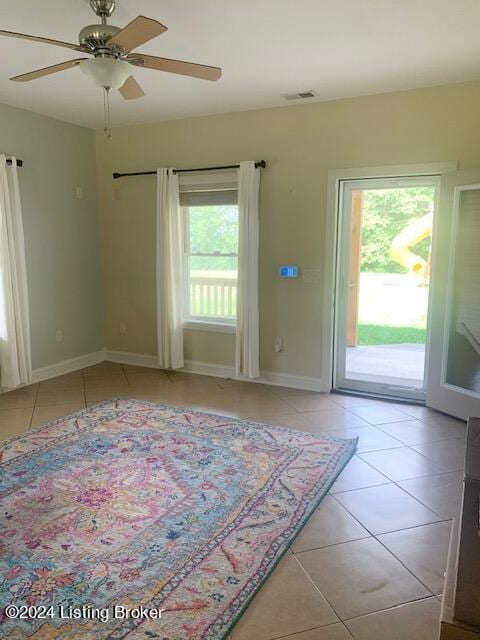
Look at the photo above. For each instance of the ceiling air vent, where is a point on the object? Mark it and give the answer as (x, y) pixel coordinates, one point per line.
(301, 95)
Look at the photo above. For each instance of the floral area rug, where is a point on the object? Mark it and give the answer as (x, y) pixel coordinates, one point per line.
(132, 508)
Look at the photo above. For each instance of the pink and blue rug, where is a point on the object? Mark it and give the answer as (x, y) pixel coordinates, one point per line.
(136, 504)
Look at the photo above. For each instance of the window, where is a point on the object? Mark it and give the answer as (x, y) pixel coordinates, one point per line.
(211, 256)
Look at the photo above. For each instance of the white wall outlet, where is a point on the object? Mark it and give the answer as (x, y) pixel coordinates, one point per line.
(79, 193)
(279, 345)
(122, 327)
(312, 276)
(59, 335)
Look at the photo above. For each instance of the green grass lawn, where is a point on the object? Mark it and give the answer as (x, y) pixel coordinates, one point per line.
(371, 334)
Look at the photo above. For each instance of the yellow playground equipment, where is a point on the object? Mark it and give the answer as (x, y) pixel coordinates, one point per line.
(411, 235)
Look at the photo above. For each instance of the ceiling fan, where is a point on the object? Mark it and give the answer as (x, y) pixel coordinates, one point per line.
(113, 62)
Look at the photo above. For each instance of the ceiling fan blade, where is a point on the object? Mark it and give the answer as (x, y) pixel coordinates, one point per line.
(131, 90)
(136, 33)
(46, 71)
(59, 43)
(191, 69)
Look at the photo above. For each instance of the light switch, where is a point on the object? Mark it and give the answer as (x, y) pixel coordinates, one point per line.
(79, 193)
(312, 276)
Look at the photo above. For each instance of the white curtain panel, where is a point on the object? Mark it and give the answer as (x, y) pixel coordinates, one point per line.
(247, 335)
(169, 271)
(15, 356)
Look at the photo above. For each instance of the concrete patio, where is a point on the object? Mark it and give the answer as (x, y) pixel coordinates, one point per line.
(401, 364)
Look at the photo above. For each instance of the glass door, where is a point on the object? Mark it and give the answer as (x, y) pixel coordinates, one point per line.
(383, 278)
(453, 383)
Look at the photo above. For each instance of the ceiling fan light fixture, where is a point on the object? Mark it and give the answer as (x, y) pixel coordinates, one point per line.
(107, 72)
(113, 62)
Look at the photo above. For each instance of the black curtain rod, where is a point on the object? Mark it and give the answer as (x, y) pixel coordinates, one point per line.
(260, 163)
(19, 162)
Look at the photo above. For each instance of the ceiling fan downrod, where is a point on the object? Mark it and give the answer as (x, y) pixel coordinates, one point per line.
(103, 8)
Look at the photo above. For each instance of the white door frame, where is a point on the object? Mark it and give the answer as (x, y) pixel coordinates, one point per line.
(341, 307)
(441, 394)
(335, 177)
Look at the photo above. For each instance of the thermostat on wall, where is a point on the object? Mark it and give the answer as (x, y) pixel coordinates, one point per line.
(288, 271)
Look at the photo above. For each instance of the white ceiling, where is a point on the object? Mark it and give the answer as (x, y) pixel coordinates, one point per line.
(338, 48)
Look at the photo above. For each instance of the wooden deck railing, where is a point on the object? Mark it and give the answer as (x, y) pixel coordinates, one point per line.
(213, 296)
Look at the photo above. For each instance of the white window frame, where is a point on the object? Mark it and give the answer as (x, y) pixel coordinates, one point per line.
(193, 322)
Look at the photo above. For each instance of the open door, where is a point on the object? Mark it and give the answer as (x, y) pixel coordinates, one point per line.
(383, 261)
(453, 363)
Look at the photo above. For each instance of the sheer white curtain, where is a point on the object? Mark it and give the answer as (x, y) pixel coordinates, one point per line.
(169, 271)
(247, 336)
(15, 358)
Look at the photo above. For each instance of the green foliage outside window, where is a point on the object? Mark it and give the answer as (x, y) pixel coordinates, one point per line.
(385, 213)
(213, 229)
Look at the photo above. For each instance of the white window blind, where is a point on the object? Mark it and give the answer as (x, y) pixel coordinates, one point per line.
(208, 198)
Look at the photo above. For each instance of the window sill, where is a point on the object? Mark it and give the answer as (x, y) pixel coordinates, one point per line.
(202, 325)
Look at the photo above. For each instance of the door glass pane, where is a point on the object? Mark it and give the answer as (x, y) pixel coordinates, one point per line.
(463, 363)
(388, 282)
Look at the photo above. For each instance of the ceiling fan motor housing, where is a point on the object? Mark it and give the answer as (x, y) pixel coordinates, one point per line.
(96, 36)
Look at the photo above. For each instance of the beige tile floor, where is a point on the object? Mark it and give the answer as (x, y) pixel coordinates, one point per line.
(369, 563)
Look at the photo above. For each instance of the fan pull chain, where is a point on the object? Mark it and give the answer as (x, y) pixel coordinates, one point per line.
(106, 112)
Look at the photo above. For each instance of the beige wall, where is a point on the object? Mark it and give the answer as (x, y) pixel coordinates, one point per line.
(300, 144)
(61, 232)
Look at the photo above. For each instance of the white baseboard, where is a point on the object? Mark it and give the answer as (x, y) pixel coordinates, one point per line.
(209, 369)
(67, 366)
(266, 377)
(309, 383)
(126, 357)
(191, 366)
(220, 371)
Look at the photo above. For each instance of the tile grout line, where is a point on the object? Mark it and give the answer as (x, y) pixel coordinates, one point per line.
(429, 426)
(426, 505)
(342, 620)
(407, 569)
(431, 459)
(376, 537)
(323, 628)
(396, 606)
(427, 475)
(415, 526)
(84, 389)
(397, 482)
(315, 586)
(37, 390)
(125, 375)
(442, 518)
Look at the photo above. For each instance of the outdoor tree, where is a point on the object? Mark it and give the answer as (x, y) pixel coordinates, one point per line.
(385, 213)
(213, 229)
